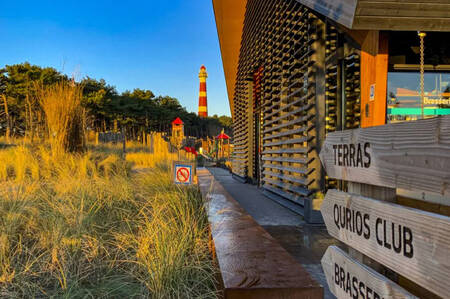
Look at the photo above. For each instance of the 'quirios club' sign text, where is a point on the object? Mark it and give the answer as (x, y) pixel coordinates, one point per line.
(391, 235)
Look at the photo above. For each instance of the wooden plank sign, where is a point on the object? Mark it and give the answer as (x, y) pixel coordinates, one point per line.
(410, 155)
(414, 243)
(348, 278)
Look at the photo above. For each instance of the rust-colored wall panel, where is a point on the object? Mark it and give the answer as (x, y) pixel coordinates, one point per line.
(374, 64)
(379, 117)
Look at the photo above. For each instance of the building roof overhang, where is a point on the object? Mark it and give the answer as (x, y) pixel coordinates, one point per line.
(354, 15)
(229, 16)
(399, 15)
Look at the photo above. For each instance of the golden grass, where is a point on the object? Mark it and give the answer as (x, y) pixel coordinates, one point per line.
(64, 115)
(142, 159)
(89, 226)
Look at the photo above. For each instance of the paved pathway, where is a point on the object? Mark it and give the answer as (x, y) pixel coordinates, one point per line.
(306, 243)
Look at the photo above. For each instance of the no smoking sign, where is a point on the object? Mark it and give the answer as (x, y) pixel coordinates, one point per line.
(183, 174)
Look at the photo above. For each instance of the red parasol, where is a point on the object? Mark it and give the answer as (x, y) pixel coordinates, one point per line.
(222, 136)
(191, 150)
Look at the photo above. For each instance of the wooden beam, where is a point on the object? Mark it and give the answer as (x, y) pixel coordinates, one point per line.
(401, 23)
(250, 129)
(252, 263)
(402, 9)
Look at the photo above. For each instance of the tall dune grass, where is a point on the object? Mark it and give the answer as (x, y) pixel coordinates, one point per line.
(88, 226)
(64, 115)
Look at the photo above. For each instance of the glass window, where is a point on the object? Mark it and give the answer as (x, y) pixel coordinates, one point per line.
(404, 101)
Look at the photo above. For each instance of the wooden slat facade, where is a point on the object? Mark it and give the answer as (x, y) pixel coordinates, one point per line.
(273, 120)
(289, 94)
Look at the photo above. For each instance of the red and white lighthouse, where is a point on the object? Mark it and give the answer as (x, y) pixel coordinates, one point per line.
(202, 100)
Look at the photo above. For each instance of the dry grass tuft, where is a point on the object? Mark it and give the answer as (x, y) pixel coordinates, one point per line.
(64, 115)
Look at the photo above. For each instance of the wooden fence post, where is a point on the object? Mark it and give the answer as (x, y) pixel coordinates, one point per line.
(124, 142)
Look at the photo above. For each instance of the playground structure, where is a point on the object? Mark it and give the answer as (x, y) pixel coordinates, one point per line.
(217, 148)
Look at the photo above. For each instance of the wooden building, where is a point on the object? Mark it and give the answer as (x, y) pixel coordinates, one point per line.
(298, 69)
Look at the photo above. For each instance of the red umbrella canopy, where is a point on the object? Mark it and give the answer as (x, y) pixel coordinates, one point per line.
(190, 150)
(223, 136)
(177, 121)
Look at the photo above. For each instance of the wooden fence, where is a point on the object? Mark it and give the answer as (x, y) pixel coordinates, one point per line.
(110, 137)
(407, 240)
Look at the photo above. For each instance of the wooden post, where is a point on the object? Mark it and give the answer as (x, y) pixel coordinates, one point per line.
(250, 129)
(123, 143)
(30, 119)
(318, 122)
(152, 143)
(8, 121)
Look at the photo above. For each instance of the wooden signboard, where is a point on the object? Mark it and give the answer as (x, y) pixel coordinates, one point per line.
(348, 278)
(413, 243)
(411, 155)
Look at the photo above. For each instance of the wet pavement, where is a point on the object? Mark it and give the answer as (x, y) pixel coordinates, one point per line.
(306, 243)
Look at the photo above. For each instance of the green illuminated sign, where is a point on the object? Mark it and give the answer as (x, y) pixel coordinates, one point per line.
(418, 111)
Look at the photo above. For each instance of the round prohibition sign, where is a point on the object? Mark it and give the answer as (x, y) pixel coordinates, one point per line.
(183, 175)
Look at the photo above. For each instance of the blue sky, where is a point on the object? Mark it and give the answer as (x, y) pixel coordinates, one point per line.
(156, 45)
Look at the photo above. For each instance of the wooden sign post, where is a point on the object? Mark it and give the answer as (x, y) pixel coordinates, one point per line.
(349, 279)
(414, 243)
(412, 155)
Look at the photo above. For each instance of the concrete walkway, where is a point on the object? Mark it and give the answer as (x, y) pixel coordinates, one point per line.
(306, 243)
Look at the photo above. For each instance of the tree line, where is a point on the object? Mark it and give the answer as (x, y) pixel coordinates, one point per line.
(138, 111)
